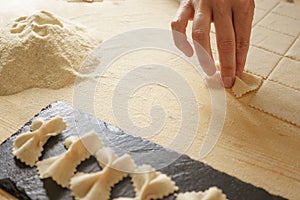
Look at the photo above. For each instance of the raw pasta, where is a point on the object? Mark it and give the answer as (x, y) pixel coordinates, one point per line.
(278, 100)
(245, 84)
(213, 193)
(98, 185)
(28, 146)
(36, 124)
(62, 167)
(150, 184)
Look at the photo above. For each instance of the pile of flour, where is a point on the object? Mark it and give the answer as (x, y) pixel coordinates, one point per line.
(42, 51)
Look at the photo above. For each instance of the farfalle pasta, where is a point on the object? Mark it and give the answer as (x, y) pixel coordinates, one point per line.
(151, 184)
(36, 124)
(213, 193)
(148, 183)
(28, 146)
(98, 185)
(62, 167)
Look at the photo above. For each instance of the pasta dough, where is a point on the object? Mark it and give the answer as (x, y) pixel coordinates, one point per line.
(28, 146)
(150, 184)
(98, 185)
(246, 84)
(62, 167)
(287, 73)
(294, 51)
(264, 38)
(213, 193)
(279, 101)
(254, 64)
(36, 124)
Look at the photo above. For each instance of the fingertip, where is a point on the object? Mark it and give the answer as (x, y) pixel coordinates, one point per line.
(211, 71)
(188, 51)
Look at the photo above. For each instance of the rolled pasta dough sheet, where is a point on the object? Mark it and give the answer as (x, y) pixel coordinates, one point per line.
(278, 100)
(287, 73)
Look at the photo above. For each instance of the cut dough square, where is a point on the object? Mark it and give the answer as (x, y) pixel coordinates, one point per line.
(288, 73)
(261, 62)
(278, 100)
(281, 24)
(246, 84)
(266, 4)
(287, 9)
(268, 40)
(294, 51)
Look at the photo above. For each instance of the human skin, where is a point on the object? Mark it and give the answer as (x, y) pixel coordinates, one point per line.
(233, 22)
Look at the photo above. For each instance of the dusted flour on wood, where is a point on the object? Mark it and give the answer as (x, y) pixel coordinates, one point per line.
(42, 51)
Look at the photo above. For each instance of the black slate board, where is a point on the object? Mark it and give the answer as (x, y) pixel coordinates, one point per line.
(187, 173)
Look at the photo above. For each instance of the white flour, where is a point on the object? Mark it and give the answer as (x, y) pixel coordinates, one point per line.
(41, 51)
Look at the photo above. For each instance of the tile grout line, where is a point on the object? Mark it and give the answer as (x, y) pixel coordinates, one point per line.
(284, 84)
(275, 53)
(257, 24)
(268, 12)
(281, 58)
(274, 67)
(262, 26)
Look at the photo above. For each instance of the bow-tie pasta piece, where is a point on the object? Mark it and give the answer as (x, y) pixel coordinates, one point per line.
(213, 193)
(150, 184)
(98, 185)
(36, 124)
(28, 146)
(125, 198)
(62, 168)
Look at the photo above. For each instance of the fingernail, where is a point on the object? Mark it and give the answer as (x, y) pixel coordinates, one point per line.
(227, 81)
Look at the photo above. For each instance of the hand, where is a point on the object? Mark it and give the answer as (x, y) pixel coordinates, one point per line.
(233, 21)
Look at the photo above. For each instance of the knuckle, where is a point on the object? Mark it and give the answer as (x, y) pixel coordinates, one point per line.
(227, 70)
(199, 35)
(242, 45)
(226, 45)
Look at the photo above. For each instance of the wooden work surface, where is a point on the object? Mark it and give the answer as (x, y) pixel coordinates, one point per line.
(264, 155)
